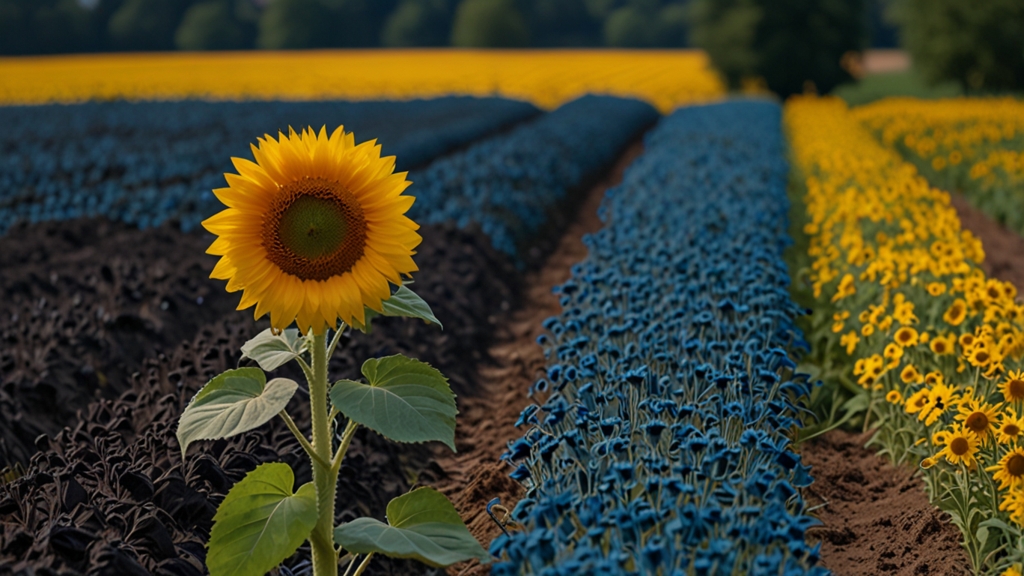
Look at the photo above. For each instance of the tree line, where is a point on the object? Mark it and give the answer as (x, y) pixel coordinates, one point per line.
(789, 45)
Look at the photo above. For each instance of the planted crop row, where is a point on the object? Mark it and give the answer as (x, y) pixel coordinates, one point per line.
(906, 318)
(513, 184)
(147, 163)
(133, 504)
(974, 146)
(662, 446)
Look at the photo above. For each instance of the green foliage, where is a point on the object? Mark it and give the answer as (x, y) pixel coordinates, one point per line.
(418, 23)
(647, 25)
(46, 26)
(403, 303)
(910, 83)
(788, 43)
(210, 25)
(145, 24)
(978, 44)
(422, 525)
(287, 24)
(406, 401)
(562, 23)
(271, 351)
(234, 402)
(489, 24)
(628, 27)
(261, 522)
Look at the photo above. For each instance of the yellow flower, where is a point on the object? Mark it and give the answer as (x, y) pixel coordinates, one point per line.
(1013, 502)
(894, 397)
(940, 398)
(314, 230)
(1012, 571)
(960, 446)
(867, 330)
(1009, 427)
(934, 377)
(978, 417)
(1009, 472)
(910, 375)
(956, 313)
(941, 346)
(845, 288)
(918, 401)
(936, 288)
(1013, 387)
(849, 340)
(979, 356)
(906, 336)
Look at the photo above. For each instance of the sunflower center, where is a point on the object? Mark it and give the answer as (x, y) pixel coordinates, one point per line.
(314, 229)
(977, 422)
(1016, 389)
(959, 446)
(1015, 465)
(1011, 430)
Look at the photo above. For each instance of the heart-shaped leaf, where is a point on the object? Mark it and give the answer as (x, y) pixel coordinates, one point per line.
(422, 525)
(406, 400)
(271, 351)
(261, 522)
(234, 402)
(403, 303)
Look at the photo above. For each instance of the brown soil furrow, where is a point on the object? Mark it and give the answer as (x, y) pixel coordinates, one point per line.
(486, 421)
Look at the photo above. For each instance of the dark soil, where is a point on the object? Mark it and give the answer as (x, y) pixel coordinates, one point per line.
(876, 517)
(110, 494)
(1004, 249)
(487, 420)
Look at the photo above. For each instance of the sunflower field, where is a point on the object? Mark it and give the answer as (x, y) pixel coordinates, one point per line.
(547, 312)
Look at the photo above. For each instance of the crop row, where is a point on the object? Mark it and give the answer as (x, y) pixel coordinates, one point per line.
(512, 184)
(906, 317)
(661, 445)
(112, 493)
(146, 163)
(547, 78)
(974, 146)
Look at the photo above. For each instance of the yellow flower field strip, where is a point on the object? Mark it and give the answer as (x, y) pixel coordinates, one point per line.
(936, 343)
(971, 144)
(548, 78)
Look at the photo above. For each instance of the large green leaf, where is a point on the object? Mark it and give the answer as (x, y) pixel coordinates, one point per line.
(422, 525)
(403, 303)
(406, 400)
(271, 351)
(261, 522)
(234, 402)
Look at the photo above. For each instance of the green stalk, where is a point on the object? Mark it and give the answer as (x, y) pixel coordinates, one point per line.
(325, 558)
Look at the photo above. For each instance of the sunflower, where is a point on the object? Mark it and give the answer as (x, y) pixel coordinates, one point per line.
(940, 397)
(1013, 502)
(918, 401)
(1013, 387)
(910, 374)
(315, 229)
(961, 446)
(906, 336)
(1010, 426)
(956, 313)
(1009, 472)
(978, 417)
(894, 397)
(1011, 571)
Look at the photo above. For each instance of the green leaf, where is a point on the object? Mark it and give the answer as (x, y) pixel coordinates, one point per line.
(234, 402)
(406, 400)
(403, 303)
(422, 525)
(261, 522)
(271, 351)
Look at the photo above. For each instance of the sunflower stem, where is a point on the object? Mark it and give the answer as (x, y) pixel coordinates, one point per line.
(325, 478)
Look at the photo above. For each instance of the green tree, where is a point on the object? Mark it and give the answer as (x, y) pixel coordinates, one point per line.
(210, 25)
(673, 26)
(145, 24)
(489, 24)
(562, 23)
(978, 44)
(61, 27)
(287, 24)
(418, 23)
(788, 43)
(15, 26)
(630, 27)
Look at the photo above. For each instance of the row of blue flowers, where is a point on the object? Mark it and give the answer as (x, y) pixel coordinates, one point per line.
(146, 163)
(662, 442)
(511, 183)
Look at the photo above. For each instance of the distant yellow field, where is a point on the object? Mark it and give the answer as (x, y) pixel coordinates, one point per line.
(666, 79)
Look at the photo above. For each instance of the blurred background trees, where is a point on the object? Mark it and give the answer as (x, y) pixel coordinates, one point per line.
(787, 45)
